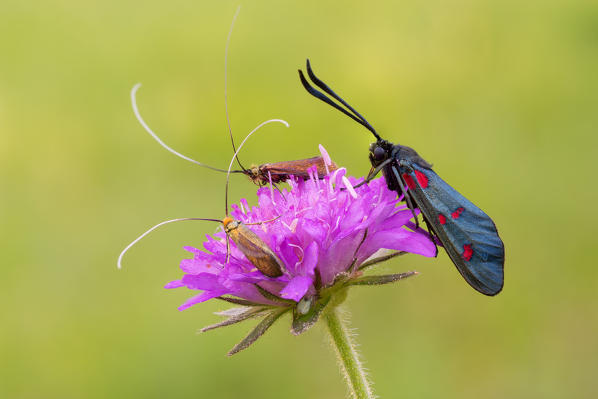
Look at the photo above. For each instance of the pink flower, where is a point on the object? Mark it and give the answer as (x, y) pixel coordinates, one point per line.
(323, 232)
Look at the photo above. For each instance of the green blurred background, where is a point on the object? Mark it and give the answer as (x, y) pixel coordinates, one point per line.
(501, 96)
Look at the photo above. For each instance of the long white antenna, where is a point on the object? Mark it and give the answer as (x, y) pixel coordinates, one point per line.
(230, 130)
(120, 257)
(155, 136)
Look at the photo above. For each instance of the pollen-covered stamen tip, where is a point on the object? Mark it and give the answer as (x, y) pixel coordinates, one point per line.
(332, 180)
(349, 187)
(327, 159)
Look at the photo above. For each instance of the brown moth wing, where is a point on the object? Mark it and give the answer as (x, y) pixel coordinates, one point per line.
(256, 250)
(280, 171)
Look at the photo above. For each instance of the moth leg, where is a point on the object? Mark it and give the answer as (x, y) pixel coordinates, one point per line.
(263, 221)
(352, 265)
(407, 196)
(405, 192)
(432, 236)
(227, 250)
(277, 188)
(373, 172)
(264, 183)
(367, 179)
(280, 191)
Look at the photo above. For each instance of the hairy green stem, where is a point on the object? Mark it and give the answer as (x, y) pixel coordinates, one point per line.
(348, 357)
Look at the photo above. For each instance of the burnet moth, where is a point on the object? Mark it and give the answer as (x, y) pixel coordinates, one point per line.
(467, 234)
(247, 241)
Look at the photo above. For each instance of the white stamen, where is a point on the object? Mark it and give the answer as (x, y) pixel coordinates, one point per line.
(327, 160)
(293, 225)
(271, 188)
(300, 257)
(349, 187)
(316, 179)
(335, 174)
(338, 222)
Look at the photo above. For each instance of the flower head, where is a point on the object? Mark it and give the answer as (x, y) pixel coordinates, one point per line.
(322, 230)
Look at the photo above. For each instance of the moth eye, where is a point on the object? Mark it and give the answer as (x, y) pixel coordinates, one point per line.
(379, 154)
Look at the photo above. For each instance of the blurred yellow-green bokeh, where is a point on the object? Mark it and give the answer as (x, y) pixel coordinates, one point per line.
(502, 96)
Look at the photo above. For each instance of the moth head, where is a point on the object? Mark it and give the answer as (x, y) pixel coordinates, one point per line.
(254, 173)
(378, 152)
(229, 224)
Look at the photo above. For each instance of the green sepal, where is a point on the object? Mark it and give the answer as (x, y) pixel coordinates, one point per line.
(259, 330)
(238, 301)
(379, 280)
(380, 259)
(271, 297)
(237, 315)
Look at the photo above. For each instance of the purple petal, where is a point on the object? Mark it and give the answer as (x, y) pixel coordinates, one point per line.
(203, 281)
(192, 249)
(174, 284)
(249, 277)
(403, 240)
(191, 266)
(296, 288)
(202, 298)
(338, 257)
(399, 219)
(310, 260)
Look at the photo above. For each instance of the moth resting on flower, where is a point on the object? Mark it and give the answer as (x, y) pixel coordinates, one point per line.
(324, 231)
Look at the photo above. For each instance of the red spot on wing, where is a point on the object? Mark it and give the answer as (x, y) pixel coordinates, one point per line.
(467, 252)
(421, 178)
(409, 180)
(441, 218)
(457, 213)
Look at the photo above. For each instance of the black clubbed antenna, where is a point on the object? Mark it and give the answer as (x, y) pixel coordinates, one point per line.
(353, 114)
